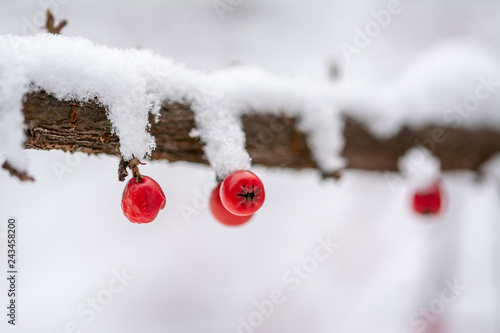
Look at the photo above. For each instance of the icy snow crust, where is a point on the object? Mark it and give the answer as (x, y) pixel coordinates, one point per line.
(133, 83)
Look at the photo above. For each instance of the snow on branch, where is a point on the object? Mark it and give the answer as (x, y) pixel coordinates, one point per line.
(271, 140)
(67, 93)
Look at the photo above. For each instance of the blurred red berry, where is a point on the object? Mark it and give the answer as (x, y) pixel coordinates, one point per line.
(141, 201)
(427, 201)
(221, 213)
(242, 193)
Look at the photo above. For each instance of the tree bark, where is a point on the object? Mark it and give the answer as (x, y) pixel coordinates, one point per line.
(272, 141)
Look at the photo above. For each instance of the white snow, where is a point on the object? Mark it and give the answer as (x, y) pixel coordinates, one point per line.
(420, 167)
(12, 86)
(492, 168)
(133, 83)
(251, 89)
(75, 68)
(453, 84)
(195, 275)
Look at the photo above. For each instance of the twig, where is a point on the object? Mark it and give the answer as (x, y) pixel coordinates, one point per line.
(50, 23)
(133, 164)
(22, 175)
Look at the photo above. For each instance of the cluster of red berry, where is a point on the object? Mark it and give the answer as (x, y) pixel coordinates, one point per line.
(233, 202)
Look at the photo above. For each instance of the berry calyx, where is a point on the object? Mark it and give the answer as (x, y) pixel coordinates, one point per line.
(242, 193)
(142, 200)
(221, 214)
(427, 201)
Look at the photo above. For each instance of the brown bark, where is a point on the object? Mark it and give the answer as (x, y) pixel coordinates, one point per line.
(271, 140)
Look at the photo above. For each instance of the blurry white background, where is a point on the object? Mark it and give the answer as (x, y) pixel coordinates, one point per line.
(192, 274)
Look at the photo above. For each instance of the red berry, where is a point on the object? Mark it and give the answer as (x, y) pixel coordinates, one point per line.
(141, 201)
(427, 201)
(221, 213)
(242, 193)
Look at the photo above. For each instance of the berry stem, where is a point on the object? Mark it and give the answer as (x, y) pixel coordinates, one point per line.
(133, 164)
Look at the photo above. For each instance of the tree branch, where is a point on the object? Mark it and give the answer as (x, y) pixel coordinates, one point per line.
(272, 141)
